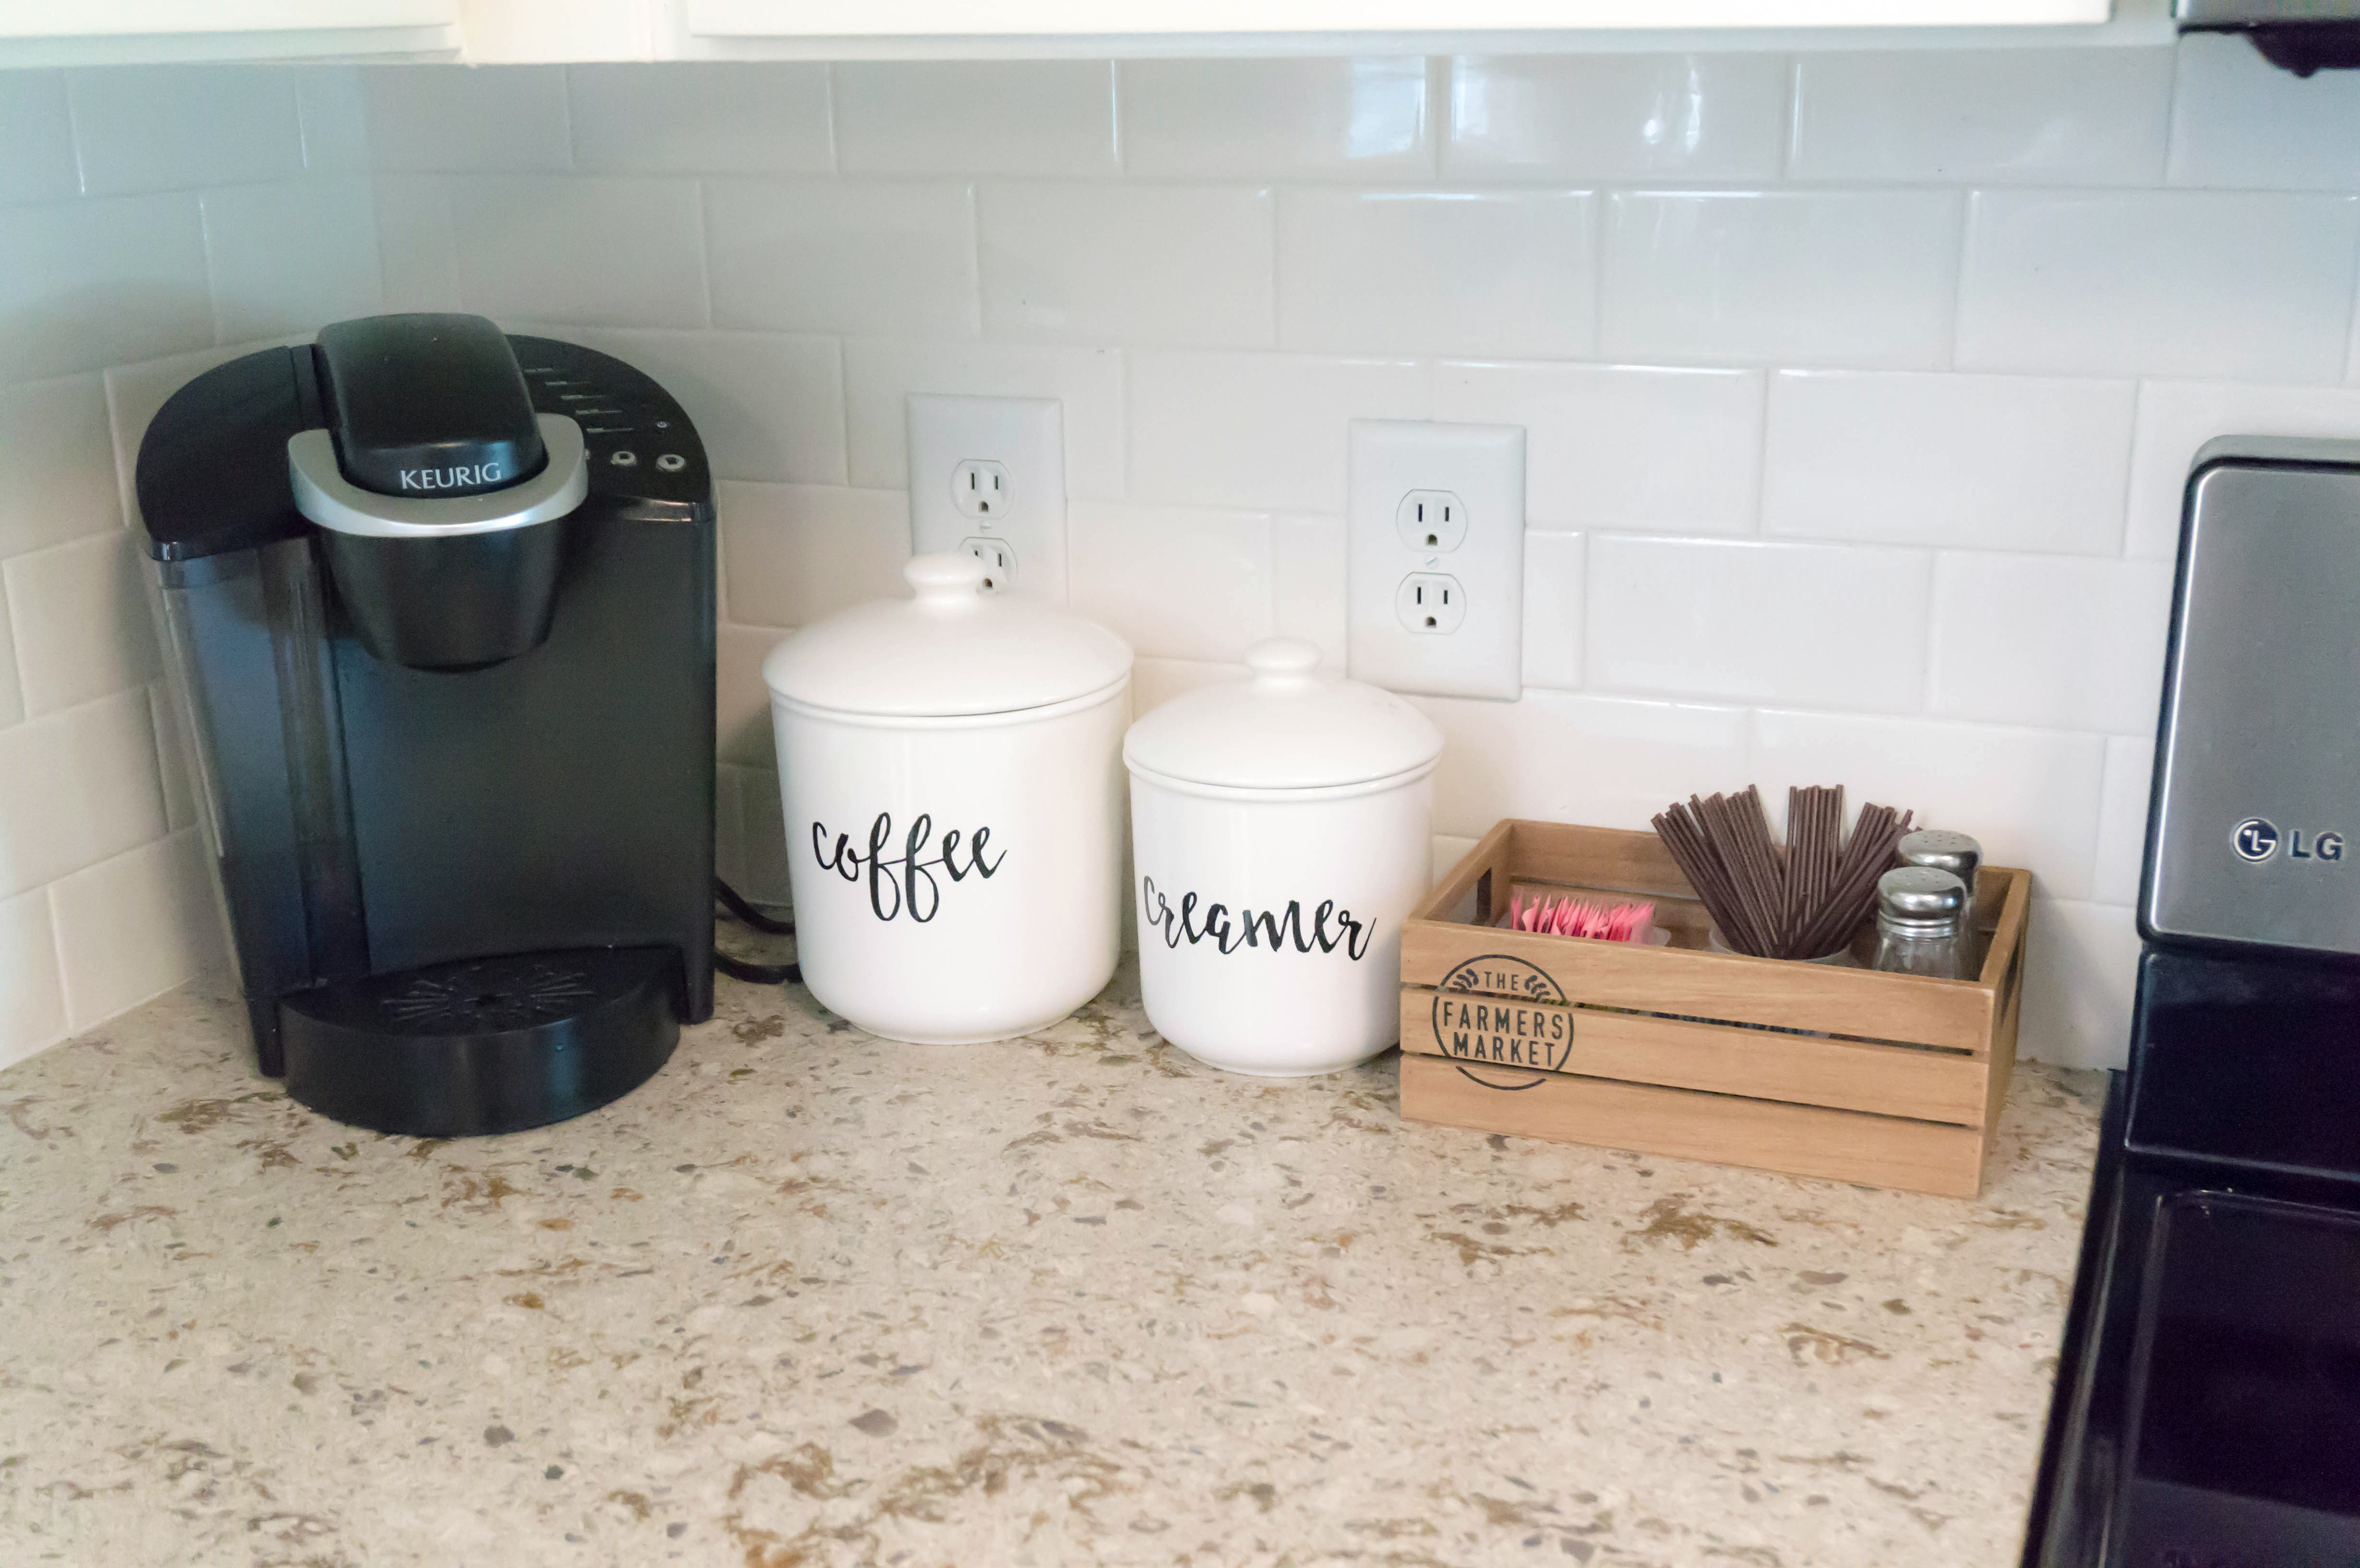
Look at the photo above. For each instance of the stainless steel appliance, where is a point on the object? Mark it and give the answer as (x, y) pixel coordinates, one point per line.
(439, 610)
(2207, 1413)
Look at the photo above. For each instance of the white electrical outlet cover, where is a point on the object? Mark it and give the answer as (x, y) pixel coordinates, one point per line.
(1020, 443)
(1481, 467)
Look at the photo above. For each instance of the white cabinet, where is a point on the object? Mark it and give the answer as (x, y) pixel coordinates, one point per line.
(489, 31)
(1200, 18)
(93, 32)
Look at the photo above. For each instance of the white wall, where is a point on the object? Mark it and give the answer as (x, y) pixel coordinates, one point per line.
(1859, 388)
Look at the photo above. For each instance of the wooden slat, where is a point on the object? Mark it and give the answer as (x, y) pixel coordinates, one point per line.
(1841, 1146)
(1888, 1080)
(1611, 858)
(2002, 1056)
(1956, 1014)
(2006, 946)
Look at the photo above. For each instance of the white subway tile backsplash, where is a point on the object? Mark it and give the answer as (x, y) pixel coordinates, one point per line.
(333, 117)
(1554, 755)
(1767, 249)
(76, 788)
(135, 926)
(880, 373)
(466, 119)
(798, 553)
(1991, 462)
(1011, 117)
(741, 700)
(2041, 116)
(12, 692)
(37, 150)
(842, 257)
(601, 250)
(766, 405)
(1156, 681)
(2122, 817)
(1438, 272)
(1307, 584)
(172, 759)
(168, 128)
(1364, 118)
(417, 254)
(2030, 795)
(1616, 116)
(1830, 277)
(2239, 122)
(2159, 283)
(1756, 622)
(1256, 430)
(701, 117)
(81, 621)
(764, 843)
(2081, 975)
(1175, 583)
(56, 481)
(1449, 850)
(1555, 610)
(2030, 639)
(2176, 418)
(32, 998)
(1185, 265)
(728, 826)
(1635, 449)
(292, 256)
(101, 281)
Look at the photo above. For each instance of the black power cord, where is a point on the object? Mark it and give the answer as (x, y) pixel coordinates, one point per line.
(739, 968)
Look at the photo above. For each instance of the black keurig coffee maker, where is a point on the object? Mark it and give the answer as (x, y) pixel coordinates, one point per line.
(438, 606)
(2207, 1413)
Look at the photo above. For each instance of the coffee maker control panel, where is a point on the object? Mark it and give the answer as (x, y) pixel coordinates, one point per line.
(639, 441)
(2253, 833)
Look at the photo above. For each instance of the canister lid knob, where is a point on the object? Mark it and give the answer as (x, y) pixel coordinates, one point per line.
(944, 581)
(1282, 660)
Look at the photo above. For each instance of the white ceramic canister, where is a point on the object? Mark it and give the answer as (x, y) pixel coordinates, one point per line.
(953, 807)
(1280, 830)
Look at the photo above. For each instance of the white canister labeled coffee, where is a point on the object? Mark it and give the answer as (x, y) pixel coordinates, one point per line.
(953, 807)
(1281, 832)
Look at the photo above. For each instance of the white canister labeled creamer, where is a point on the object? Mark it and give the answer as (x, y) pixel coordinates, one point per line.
(953, 807)
(1281, 832)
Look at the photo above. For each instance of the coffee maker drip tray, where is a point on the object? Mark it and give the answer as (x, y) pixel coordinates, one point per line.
(483, 1045)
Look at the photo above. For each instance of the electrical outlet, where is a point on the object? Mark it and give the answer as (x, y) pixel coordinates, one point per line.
(988, 479)
(1432, 520)
(1431, 603)
(1435, 558)
(979, 488)
(999, 560)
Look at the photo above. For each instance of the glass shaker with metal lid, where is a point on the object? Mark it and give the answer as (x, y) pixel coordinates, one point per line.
(1921, 922)
(1955, 852)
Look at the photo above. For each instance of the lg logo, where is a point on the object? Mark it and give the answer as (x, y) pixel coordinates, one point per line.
(2256, 838)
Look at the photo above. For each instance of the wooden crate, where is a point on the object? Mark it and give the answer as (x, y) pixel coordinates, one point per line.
(1815, 1069)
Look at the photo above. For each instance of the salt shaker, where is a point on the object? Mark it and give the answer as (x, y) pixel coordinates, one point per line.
(1921, 922)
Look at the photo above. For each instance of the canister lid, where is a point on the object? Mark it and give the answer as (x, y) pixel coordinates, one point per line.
(1286, 727)
(948, 650)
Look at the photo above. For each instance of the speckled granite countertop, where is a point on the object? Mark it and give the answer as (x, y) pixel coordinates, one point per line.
(809, 1299)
